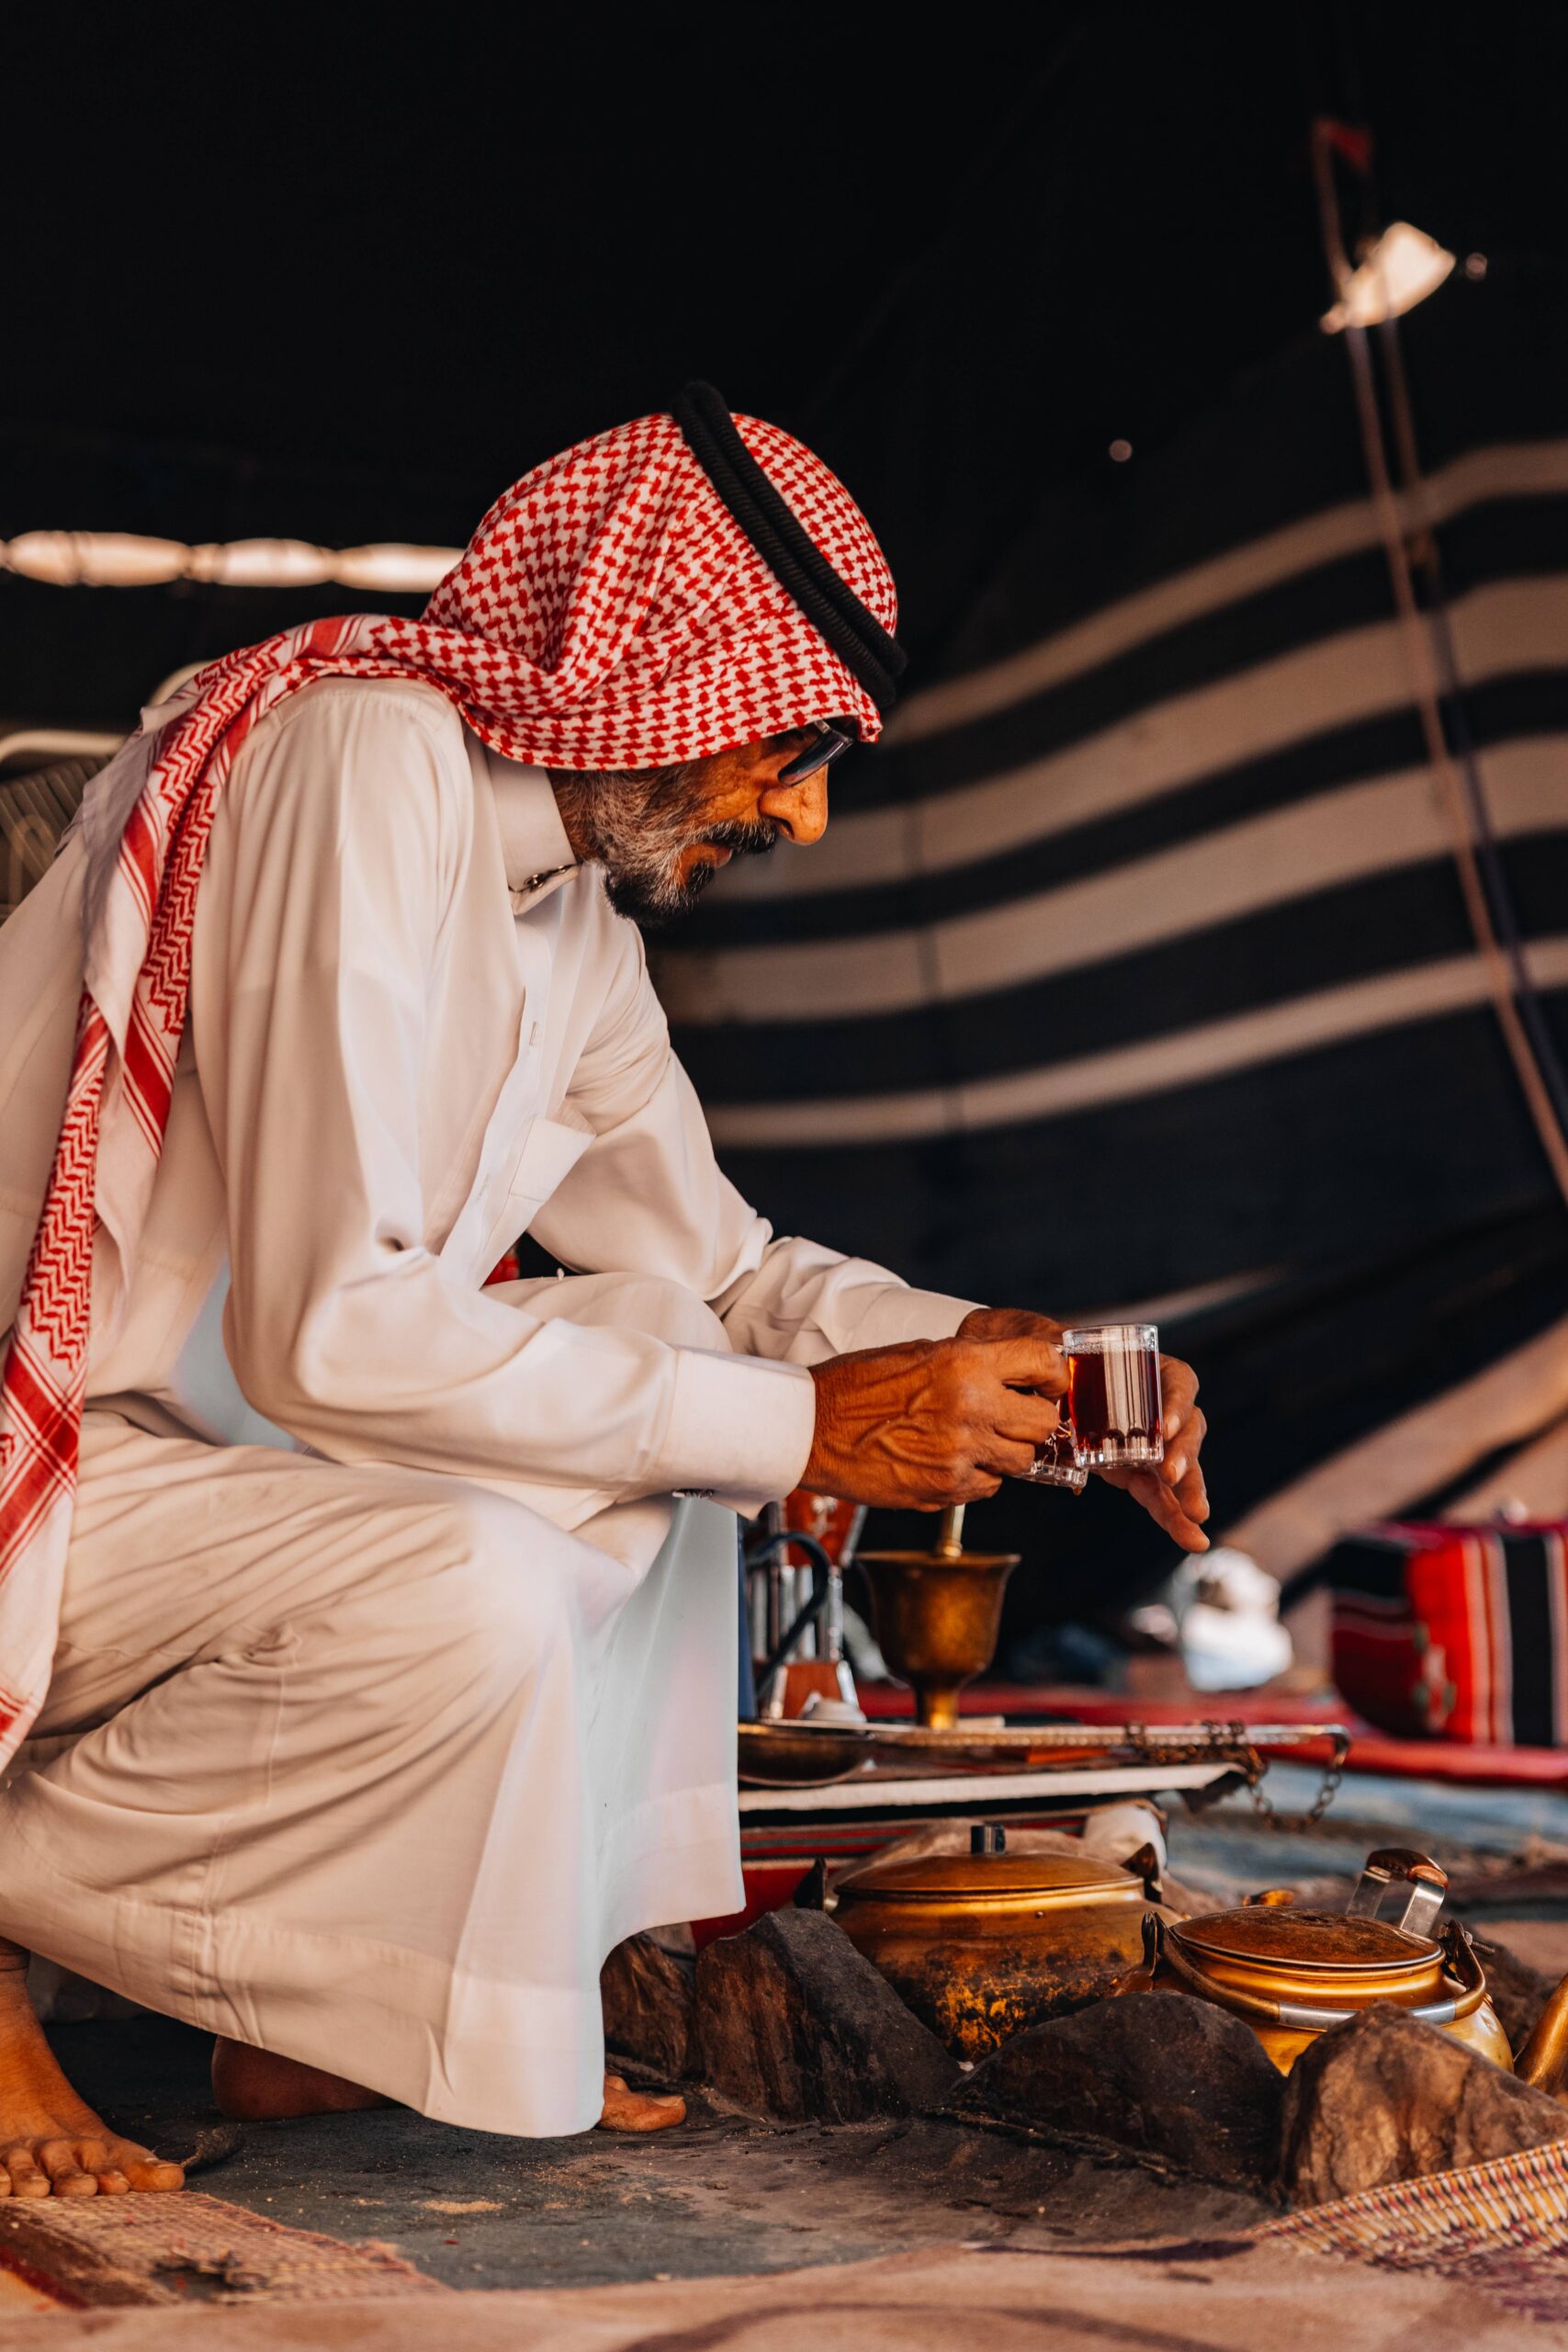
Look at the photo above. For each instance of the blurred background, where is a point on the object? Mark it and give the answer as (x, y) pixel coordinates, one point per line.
(1196, 944)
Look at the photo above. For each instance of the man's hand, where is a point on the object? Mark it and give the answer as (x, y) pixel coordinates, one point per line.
(936, 1421)
(1173, 1492)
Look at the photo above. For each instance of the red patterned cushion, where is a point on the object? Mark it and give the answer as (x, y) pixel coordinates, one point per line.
(1455, 1633)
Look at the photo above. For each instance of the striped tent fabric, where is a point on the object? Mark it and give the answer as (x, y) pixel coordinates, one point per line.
(1134, 976)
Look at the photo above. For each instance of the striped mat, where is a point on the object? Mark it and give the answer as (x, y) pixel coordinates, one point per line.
(1501, 2227)
(84, 2253)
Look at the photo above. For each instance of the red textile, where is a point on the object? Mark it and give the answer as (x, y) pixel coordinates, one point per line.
(1455, 1633)
(608, 613)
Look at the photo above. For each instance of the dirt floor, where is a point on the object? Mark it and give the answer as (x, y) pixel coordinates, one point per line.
(724, 2194)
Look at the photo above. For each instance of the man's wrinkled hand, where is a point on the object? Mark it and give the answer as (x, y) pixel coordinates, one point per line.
(1172, 1491)
(935, 1421)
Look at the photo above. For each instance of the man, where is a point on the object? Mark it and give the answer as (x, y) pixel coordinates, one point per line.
(366, 1633)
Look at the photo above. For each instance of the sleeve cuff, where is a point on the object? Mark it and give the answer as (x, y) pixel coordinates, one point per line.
(739, 1429)
(895, 1313)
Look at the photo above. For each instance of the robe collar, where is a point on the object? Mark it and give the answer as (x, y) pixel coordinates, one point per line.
(535, 849)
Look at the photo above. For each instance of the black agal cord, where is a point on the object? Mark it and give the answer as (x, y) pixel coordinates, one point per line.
(856, 636)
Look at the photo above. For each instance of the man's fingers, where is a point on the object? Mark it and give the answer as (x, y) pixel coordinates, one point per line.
(1192, 1493)
(1181, 1451)
(1188, 1488)
(1026, 1364)
(1008, 1458)
(1177, 1394)
(1026, 1418)
(976, 1486)
(1166, 1511)
(1181, 1472)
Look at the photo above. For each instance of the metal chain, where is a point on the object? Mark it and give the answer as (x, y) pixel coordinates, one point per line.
(1232, 1741)
(1333, 1773)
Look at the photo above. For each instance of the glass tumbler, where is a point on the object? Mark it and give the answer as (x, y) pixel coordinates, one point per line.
(1113, 1398)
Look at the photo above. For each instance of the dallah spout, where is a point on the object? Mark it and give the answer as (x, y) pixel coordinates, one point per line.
(1543, 2061)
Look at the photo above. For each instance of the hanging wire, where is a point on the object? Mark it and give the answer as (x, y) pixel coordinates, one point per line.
(1507, 978)
(1426, 559)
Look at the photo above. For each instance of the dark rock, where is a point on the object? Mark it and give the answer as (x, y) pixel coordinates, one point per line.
(1518, 1992)
(792, 2021)
(1386, 2097)
(1159, 2074)
(649, 2001)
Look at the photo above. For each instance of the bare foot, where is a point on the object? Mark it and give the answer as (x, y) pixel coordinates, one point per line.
(260, 2087)
(52, 2145)
(629, 2110)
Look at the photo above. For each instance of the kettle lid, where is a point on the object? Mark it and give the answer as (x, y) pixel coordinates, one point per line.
(989, 1871)
(1282, 1935)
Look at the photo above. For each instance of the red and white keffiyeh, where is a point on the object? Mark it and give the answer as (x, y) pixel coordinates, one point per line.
(608, 613)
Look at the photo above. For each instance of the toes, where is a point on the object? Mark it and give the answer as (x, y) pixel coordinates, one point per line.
(152, 2176)
(629, 2110)
(26, 2180)
(61, 2162)
(103, 2161)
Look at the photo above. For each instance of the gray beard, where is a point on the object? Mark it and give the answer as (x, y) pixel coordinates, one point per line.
(634, 824)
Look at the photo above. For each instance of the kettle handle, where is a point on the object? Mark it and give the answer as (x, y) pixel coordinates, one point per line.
(1427, 1881)
(1163, 1949)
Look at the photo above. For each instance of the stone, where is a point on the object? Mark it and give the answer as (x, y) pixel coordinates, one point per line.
(1159, 2075)
(792, 2021)
(650, 2000)
(1386, 2099)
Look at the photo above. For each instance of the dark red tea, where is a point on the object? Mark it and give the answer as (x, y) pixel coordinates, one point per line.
(1113, 1393)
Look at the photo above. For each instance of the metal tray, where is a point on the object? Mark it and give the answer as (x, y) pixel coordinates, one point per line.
(801, 1754)
(1023, 1747)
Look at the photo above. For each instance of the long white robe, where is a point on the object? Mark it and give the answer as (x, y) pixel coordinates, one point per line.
(391, 1692)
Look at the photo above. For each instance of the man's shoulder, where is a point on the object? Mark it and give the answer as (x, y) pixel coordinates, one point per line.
(340, 709)
(345, 753)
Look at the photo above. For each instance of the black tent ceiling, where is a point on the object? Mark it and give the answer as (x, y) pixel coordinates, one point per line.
(326, 282)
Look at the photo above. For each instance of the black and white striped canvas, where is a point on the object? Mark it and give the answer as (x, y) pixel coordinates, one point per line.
(1133, 973)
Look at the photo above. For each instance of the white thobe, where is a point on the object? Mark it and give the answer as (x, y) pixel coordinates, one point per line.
(393, 1686)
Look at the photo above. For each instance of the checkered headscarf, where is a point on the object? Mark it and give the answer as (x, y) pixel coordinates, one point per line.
(608, 613)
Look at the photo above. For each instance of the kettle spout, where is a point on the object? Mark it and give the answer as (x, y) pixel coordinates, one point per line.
(1543, 2061)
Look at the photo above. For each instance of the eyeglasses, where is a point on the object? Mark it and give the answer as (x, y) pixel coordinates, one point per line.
(829, 743)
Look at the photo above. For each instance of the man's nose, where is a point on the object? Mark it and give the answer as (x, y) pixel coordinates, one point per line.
(798, 809)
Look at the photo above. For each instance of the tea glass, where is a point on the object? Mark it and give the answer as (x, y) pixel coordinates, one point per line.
(1114, 1395)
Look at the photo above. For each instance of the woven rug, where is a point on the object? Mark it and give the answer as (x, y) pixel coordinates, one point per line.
(1501, 2227)
(100, 2250)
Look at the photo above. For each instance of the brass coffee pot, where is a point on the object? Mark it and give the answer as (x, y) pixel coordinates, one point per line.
(1292, 1974)
(937, 1615)
(984, 1944)
(980, 1945)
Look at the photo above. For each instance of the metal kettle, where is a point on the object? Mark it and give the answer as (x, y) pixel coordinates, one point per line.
(1292, 1974)
(982, 1944)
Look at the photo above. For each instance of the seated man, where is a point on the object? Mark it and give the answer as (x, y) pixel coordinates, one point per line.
(366, 1632)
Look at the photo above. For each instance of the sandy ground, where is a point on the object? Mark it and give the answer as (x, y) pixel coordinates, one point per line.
(1204, 2299)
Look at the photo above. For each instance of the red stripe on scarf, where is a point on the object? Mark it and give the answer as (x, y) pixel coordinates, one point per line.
(608, 613)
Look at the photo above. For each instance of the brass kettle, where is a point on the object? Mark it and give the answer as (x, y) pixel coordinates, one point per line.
(980, 1945)
(1292, 1974)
